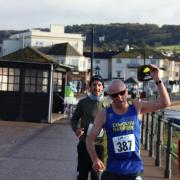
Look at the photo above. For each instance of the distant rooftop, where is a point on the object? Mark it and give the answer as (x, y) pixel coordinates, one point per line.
(63, 49)
(102, 55)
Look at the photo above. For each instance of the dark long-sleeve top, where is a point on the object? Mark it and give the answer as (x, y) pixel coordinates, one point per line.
(85, 114)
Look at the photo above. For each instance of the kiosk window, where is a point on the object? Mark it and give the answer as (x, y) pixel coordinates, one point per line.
(36, 81)
(9, 79)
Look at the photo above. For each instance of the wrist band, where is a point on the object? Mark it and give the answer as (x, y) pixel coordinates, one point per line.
(158, 82)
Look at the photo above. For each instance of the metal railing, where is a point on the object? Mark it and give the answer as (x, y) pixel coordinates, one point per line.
(68, 107)
(152, 134)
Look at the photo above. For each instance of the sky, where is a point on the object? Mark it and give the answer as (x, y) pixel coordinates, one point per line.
(28, 14)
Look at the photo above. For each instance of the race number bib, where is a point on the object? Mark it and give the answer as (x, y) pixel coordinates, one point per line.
(124, 143)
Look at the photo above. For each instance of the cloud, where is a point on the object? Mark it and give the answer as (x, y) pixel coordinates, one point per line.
(26, 14)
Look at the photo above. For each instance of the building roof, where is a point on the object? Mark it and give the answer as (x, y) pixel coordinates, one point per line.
(140, 53)
(63, 49)
(102, 55)
(32, 55)
(29, 54)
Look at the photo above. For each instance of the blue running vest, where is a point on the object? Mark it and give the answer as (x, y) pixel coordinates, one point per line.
(123, 141)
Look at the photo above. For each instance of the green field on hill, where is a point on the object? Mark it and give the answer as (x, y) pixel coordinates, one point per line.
(175, 48)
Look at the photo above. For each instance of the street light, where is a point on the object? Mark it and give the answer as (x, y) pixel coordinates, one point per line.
(101, 38)
(91, 33)
(144, 62)
(92, 50)
(179, 78)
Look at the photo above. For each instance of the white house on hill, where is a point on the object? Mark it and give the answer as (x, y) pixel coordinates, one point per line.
(67, 55)
(38, 38)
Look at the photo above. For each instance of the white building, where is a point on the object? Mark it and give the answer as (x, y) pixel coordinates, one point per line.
(102, 63)
(67, 55)
(38, 38)
(124, 65)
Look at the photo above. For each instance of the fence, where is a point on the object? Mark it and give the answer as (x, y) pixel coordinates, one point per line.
(157, 134)
(69, 104)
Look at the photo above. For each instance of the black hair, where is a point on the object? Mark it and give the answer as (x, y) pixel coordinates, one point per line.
(96, 78)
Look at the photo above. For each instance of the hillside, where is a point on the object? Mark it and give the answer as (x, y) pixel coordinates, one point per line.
(175, 48)
(116, 34)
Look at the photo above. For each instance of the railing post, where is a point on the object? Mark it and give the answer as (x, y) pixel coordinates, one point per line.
(147, 132)
(151, 148)
(142, 130)
(158, 147)
(179, 154)
(167, 173)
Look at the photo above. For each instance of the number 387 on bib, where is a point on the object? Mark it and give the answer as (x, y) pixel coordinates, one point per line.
(125, 143)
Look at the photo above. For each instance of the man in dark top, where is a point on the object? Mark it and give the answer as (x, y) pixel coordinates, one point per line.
(82, 121)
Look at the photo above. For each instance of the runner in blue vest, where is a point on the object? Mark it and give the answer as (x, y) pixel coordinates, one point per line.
(122, 126)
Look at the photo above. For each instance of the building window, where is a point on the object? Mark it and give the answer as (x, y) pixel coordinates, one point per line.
(133, 61)
(133, 73)
(36, 81)
(57, 80)
(9, 79)
(84, 65)
(74, 62)
(38, 43)
(118, 74)
(118, 61)
(153, 61)
(97, 70)
(97, 61)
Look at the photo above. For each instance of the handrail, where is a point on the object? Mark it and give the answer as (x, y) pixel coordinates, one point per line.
(60, 96)
(155, 124)
(175, 126)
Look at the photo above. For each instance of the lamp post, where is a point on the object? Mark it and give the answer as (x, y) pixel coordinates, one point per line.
(92, 50)
(179, 78)
(144, 62)
(101, 39)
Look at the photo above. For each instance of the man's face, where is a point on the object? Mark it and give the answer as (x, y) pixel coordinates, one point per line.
(96, 88)
(118, 93)
(120, 98)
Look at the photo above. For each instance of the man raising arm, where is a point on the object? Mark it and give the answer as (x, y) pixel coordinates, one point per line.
(122, 126)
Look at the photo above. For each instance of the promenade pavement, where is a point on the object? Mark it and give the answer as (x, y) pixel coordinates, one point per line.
(33, 151)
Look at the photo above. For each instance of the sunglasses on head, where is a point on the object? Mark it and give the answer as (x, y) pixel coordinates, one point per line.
(121, 93)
